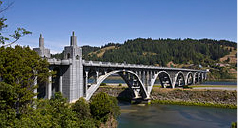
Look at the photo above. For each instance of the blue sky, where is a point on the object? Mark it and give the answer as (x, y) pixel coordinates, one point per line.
(97, 22)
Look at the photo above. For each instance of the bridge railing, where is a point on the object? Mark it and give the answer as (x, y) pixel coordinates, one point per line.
(125, 65)
(54, 61)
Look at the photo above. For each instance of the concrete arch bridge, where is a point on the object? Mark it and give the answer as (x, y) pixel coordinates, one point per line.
(73, 73)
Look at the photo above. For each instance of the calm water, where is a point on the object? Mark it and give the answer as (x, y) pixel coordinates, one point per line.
(219, 83)
(174, 116)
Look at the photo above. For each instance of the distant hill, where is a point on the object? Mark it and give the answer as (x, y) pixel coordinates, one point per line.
(162, 51)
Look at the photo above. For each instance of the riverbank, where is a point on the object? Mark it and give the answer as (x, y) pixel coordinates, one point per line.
(196, 97)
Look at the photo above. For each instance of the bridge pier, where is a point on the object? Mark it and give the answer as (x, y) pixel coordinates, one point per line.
(49, 88)
(140, 101)
(86, 83)
(60, 83)
(35, 83)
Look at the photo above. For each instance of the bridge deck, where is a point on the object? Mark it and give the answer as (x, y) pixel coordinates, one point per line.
(118, 65)
(131, 66)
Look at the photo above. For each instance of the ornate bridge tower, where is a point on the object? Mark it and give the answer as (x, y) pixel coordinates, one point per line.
(42, 51)
(69, 77)
(73, 76)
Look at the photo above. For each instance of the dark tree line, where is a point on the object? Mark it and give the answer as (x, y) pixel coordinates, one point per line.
(161, 51)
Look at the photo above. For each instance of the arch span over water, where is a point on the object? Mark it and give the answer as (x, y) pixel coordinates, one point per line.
(137, 88)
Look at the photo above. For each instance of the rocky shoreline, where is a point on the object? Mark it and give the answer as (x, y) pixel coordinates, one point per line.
(203, 97)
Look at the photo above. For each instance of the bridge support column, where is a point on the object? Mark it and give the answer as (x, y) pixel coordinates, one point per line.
(60, 84)
(194, 78)
(86, 83)
(49, 93)
(139, 74)
(143, 77)
(199, 78)
(148, 80)
(35, 90)
(96, 77)
(97, 73)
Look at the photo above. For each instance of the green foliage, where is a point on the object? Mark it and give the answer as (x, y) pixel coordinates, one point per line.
(81, 107)
(103, 84)
(43, 113)
(19, 67)
(114, 107)
(187, 87)
(87, 49)
(220, 73)
(191, 103)
(58, 55)
(234, 125)
(102, 106)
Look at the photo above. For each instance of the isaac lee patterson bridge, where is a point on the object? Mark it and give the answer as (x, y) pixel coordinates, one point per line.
(73, 74)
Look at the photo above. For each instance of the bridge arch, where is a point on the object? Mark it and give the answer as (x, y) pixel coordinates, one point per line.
(164, 78)
(136, 89)
(178, 78)
(196, 77)
(189, 78)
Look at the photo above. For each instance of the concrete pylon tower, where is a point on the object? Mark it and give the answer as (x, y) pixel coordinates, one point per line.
(73, 40)
(42, 51)
(73, 81)
(41, 42)
(72, 51)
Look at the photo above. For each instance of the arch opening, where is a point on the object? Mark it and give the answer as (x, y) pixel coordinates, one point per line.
(55, 80)
(77, 57)
(190, 79)
(164, 79)
(180, 81)
(41, 90)
(68, 55)
(130, 78)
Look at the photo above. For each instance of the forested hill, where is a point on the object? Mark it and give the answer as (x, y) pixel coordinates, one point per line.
(162, 51)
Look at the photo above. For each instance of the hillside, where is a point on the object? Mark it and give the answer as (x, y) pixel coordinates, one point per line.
(162, 51)
(217, 55)
(187, 53)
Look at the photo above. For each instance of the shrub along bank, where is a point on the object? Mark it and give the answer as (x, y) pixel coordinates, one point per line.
(56, 112)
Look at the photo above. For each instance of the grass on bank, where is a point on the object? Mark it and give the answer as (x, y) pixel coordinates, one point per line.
(189, 103)
(223, 86)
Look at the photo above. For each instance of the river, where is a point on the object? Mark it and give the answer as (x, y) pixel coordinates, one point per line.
(174, 116)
